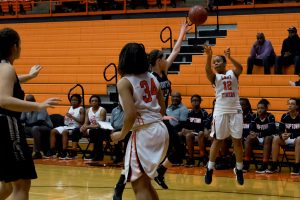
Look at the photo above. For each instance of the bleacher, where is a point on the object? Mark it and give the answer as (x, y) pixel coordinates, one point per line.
(77, 52)
(15, 6)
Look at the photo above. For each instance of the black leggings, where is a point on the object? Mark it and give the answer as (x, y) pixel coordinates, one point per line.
(176, 149)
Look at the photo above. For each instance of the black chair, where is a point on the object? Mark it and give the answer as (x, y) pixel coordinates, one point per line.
(57, 120)
(286, 158)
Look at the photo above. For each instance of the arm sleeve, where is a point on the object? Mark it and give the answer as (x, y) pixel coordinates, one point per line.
(183, 114)
(284, 47)
(252, 51)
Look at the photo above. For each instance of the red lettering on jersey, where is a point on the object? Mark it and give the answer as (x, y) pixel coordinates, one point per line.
(227, 85)
(148, 91)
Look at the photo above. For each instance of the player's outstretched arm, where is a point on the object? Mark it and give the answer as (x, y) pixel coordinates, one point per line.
(209, 72)
(176, 49)
(238, 68)
(161, 102)
(34, 72)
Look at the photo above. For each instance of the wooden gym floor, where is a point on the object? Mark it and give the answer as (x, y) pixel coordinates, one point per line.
(78, 180)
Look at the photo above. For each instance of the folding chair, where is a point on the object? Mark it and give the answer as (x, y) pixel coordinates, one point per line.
(285, 156)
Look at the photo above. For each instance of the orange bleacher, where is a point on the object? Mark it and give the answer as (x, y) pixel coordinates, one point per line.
(15, 6)
(77, 52)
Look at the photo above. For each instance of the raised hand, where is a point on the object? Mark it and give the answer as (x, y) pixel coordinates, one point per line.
(227, 52)
(35, 70)
(184, 28)
(207, 50)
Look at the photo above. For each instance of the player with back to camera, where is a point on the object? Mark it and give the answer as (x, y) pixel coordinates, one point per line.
(227, 116)
(159, 65)
(143, 104)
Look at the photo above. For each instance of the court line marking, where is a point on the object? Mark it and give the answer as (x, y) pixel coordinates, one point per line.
(173, 189)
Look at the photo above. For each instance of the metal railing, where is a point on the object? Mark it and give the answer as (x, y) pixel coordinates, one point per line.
(170, 38)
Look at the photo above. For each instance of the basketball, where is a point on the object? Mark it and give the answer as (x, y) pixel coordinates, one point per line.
(197, 15)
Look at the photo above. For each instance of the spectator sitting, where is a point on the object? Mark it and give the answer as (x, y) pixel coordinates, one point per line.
(262, 54)
(178, 111)
(194, 129)
(290, 52)
(262, 129)
(178, 114)
(92, 129)
(37, 125)
(247, 116)
(290, 135)
(73, 120)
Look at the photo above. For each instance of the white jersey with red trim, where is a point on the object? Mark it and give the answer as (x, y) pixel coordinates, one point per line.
(75, 112)
(227, 94)
(145, 87)
(94, 117)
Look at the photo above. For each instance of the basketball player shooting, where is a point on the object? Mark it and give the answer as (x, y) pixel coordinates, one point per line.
(227, 115)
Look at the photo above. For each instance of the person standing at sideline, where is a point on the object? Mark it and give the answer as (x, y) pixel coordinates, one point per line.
(227, 116)
(143, 105)
(17, 168)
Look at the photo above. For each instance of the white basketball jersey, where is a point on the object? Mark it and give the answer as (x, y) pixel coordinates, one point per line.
(94, 117)
(75, 113)
(227, 94)
(145, 88)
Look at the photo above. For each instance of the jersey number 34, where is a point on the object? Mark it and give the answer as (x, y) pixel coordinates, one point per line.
(149, 91)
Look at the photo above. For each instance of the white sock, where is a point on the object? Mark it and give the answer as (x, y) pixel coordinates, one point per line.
(239, 165)
(123, 172)
(211, 165)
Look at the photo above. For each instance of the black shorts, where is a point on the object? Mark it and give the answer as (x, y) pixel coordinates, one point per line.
(16, 160)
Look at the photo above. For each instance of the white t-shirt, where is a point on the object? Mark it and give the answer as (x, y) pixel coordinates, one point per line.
(94, 117)
(75, 113)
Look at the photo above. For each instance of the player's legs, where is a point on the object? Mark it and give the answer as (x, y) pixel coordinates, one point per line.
(120, 186)
(53, 133)
(296, 169)
(143, 189)
(174, 156)
(5, 190)
(236, 131)
(21, 189)
(267, 148)
(201, 142)
(189, 139)
(276, 144)
(250, 142)
(219, 132)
